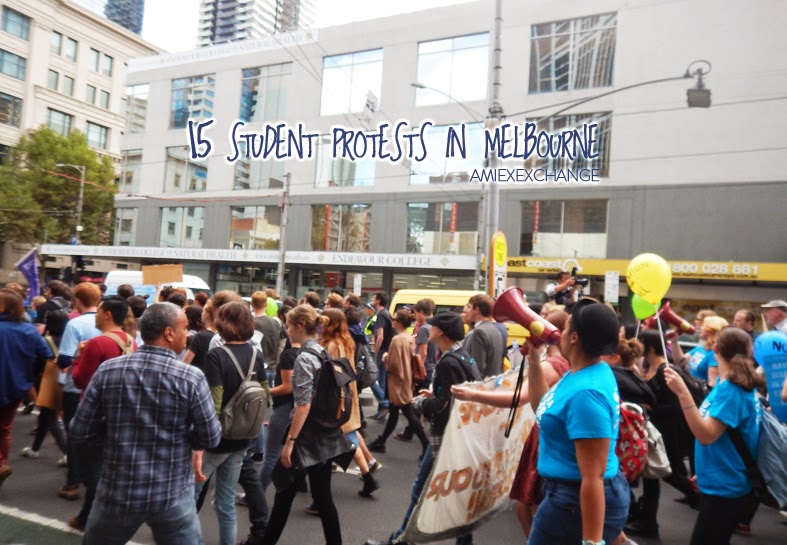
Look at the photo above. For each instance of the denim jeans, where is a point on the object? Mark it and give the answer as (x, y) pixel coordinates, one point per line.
(226, 466)
(249, 480)
(70, 404)
(415, 493)
(175, 526)
(279, 420)
(559, 518)
(258, 443)
(89, 461)
(378, 388)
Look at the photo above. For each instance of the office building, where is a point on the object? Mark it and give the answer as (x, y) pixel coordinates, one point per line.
(222, 21)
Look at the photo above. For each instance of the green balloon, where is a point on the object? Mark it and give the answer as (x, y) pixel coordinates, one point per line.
(642, 309)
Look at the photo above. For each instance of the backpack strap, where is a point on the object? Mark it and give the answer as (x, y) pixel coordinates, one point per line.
(52, 346)
(742, 449)
(246, 377)
(124, 346)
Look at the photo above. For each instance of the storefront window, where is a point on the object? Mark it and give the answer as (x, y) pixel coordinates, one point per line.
(341, 227)
(181, 227)
(442, 228)
(245, 280)
(564, 228)
(255, 227)
(322, 282)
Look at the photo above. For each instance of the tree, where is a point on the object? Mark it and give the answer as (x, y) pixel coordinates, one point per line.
(37, 204)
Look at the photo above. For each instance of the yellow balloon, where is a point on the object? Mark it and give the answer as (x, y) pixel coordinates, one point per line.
(649, 276)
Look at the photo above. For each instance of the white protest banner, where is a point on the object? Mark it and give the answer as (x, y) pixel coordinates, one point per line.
(475, 467)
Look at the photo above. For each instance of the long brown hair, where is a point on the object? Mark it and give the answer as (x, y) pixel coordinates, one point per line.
(735, 347)
(304, 316)
(334, 331)
(630, 351)
(12, 304)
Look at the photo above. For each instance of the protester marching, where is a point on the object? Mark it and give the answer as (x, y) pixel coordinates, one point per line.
(151, 410)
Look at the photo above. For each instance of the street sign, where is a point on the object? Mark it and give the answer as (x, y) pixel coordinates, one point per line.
(498, 265)
(611, 287)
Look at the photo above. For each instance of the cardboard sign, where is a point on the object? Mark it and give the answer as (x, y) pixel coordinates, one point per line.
(162, 274)
(475, 467)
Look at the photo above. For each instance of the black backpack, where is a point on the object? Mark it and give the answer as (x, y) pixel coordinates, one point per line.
(365, 365)
(55, 320)
(697, 388)
(332, 404)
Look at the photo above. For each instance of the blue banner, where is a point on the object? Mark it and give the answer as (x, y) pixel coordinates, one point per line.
(29, 267)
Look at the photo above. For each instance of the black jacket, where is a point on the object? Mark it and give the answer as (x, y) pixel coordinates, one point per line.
(454, 367)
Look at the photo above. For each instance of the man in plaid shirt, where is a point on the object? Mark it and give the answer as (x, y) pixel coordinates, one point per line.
(149, 410)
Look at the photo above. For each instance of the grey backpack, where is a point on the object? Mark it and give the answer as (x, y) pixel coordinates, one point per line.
(245, 412)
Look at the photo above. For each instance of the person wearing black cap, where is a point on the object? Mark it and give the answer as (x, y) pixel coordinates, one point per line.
(586, 497)
(454, 367)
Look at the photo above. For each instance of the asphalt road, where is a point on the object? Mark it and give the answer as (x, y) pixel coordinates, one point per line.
(33, 486)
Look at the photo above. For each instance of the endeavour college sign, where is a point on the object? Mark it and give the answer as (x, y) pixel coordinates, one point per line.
(339, 259)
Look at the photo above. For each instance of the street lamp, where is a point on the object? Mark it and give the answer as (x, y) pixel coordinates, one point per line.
(480, 237)
(82, 169)
(698, 96)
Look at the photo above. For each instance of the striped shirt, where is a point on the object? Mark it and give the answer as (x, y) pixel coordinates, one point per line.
(149, 410)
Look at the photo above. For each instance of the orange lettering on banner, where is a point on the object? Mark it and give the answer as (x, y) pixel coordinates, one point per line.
(474, 412)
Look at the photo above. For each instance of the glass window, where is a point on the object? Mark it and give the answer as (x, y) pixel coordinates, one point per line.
(16, 23)
(455, 69)
(572, 54)
(341, 227)
(55, 42)
(52, 80)
(106, 65)
(97, 136)
(59, 122)
(104, 100)
(255, 227)
(342, 172)
(125, 226)
(348, 79)
(575, 121)
(71, 49)
(181, 167)
(192, 98)
(131, 166)
(68, 86)
(12, 65)
(263, 95)
(442, 228)
(93, 59)
(178, 229)
(251, 174)
(90, 94)
(10, 110)
(564, 228)
(137, 107)
(437, 168)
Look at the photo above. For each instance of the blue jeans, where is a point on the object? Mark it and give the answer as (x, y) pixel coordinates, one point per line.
(277, 425)
(175, 526)
(559, 518)
(258, 443)
(415, 493)
(378, 388)
(226, 466)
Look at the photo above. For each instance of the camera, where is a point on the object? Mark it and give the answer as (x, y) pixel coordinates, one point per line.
(579, 281)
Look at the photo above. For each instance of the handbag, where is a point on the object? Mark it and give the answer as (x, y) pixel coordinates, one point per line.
(657, 465)
(316, 445)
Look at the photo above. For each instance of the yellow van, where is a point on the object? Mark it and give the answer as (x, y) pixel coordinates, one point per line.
(451, 300)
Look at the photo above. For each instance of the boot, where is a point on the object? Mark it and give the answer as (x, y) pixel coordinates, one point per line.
(378, 445)
(370, 484)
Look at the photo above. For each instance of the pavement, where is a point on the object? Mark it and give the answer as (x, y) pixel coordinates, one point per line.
(32, 514)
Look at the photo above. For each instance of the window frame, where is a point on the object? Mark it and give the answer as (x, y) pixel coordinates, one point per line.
(23, 23)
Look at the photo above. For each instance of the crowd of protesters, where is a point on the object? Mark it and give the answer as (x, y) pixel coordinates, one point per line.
(139, 395)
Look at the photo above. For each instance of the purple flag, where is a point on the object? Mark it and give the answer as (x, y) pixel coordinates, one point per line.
(29, 267)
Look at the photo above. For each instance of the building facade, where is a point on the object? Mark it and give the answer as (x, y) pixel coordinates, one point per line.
(222, 21)
(127, 13)
(705, 188)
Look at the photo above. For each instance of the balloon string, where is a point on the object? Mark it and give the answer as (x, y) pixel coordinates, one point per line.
(661, 332)
(639, 323)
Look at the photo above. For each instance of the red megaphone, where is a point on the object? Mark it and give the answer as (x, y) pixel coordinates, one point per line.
(670, 316)
(650, 323)
(511, 306)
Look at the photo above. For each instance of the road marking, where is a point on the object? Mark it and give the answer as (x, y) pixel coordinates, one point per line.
(35, 518)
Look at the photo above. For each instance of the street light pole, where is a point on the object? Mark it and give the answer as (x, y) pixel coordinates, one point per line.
(82, 170)
(285, 204)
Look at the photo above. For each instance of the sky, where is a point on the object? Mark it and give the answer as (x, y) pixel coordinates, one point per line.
(172, 25)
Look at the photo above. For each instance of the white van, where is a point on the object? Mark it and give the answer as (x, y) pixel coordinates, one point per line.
(192, 284)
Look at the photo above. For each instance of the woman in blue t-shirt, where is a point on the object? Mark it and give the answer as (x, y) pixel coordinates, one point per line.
(586, 497)
(700, 360)
(732, 404)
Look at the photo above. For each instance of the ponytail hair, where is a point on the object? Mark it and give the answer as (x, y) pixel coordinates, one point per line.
(305, 316)
(630, 350)
(735, 347)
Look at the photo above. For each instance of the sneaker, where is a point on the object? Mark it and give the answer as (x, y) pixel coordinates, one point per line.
(28, 408)
(381, 414)
(628, 541)
(251, 540)
(76, 524)
(312, 510)
(28, 452)
(63, 462)
(783, 513)
(641, 530)
(374, 467)
(240, 499)
(69, 492)
(5, 472)
(257, 457)
(743, 529)
(402, 436)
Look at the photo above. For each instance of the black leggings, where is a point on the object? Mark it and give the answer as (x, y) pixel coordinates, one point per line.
(47, 422)
(320, 479)
(409, 414)
(718, 518)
